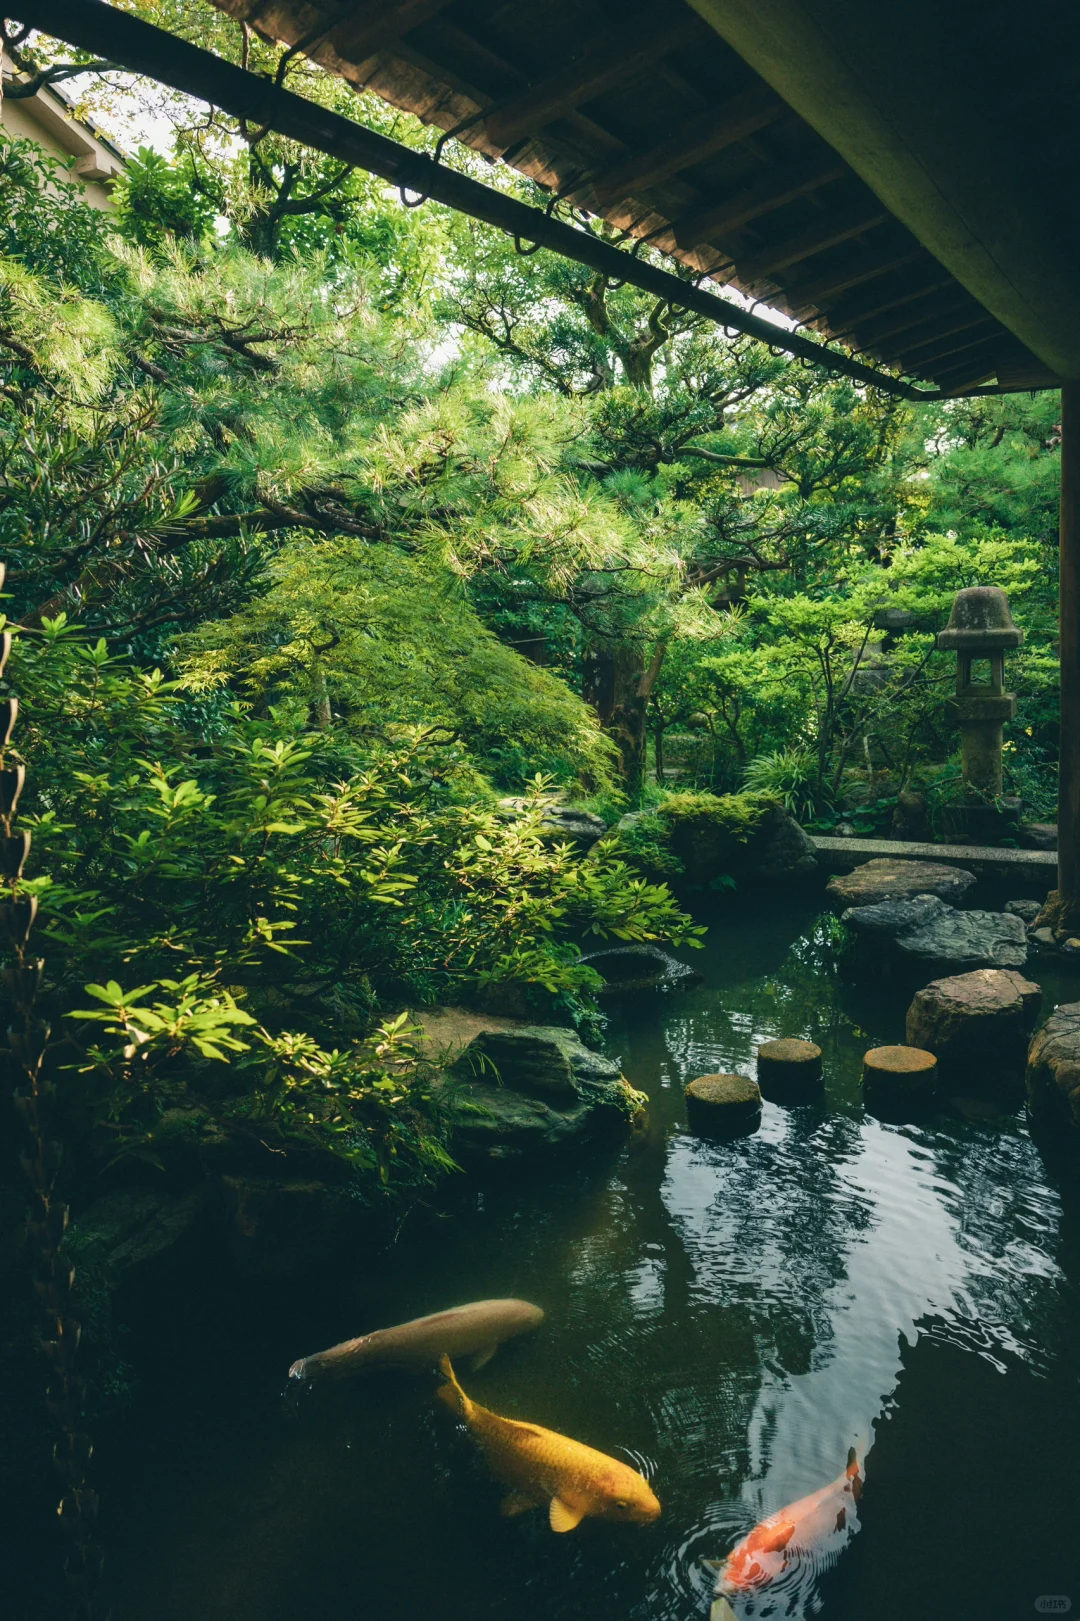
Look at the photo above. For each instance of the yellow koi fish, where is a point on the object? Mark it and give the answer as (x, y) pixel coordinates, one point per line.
(477, 1329)
(540, 1466)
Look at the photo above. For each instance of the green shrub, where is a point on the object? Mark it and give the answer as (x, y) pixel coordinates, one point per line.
(248, 904)
(786, 775)
(694, 837)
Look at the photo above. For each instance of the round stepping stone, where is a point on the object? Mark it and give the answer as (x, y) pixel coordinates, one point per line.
(899, 1080)
(723, 1105)
(789, 1070)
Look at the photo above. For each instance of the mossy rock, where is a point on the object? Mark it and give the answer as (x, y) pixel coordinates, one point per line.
(699, 841)
(521, 1091)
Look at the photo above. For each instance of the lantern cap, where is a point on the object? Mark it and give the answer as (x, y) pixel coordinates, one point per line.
(980, 622)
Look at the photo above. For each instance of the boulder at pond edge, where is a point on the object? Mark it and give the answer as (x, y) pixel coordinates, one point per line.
(626, 969)
(1053, 1071)
(976, 1023)
(701, 841)
(517, 1091)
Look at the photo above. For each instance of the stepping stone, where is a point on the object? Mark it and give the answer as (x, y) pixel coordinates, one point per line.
(789, 1070)
(899, 1081)
(723, 1105)
(886, 879)
(976, 1023)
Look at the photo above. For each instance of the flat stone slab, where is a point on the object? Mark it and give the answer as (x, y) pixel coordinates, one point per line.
(923, 934)
(884, 879)
(1052, 1081)
(840, 854)
(966, 940)
(975, 1023)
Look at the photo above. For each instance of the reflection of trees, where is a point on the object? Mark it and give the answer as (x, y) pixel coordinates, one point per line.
(754, 1236)
(1016, 1234)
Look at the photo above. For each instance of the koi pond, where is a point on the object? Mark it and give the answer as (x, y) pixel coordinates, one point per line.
(729, 1318)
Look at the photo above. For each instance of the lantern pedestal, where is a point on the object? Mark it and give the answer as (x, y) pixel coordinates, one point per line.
(980, 631)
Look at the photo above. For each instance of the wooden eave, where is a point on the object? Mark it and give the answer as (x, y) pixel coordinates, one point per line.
(645, 117)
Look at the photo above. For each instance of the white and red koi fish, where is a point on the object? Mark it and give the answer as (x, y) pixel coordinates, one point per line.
(813, 1530)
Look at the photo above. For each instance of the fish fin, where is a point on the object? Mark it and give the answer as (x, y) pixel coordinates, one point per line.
(721, 1610)
(517, 1503)
(714, 1564)
(451, 1393)
(562, 1517)
(852, 1473)
(483, 1357)
(297, 1369)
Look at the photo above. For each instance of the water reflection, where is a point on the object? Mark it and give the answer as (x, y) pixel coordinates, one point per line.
(730, 1318)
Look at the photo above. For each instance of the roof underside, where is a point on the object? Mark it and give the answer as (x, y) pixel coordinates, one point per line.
(642, 114)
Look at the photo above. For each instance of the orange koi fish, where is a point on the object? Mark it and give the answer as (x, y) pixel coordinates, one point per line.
(540, 1466)
(804, 1530)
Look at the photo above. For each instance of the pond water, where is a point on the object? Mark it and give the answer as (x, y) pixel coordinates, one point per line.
(730, 1317)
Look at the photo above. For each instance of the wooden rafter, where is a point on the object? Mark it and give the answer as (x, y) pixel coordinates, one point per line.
(946, 326)
(929, 355)
(770, 191)
(804, 295)
(700, 137)
(608, 60)
(913, 312)
(371, 25)
(827, 232)
(853, 313)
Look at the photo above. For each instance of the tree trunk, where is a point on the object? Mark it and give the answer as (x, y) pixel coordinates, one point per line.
(613, 674)
(617, 683)
(658, 744)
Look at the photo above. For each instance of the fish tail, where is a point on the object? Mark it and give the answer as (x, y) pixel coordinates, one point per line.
(451, 1393)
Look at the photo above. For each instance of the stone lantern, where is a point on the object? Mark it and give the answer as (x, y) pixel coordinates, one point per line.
(979, 630)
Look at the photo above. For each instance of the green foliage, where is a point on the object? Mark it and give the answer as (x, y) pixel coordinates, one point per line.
(665, 839)
(157, 200)
(786, 775)
(375, 641)
(275, 891)
(43, 221)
